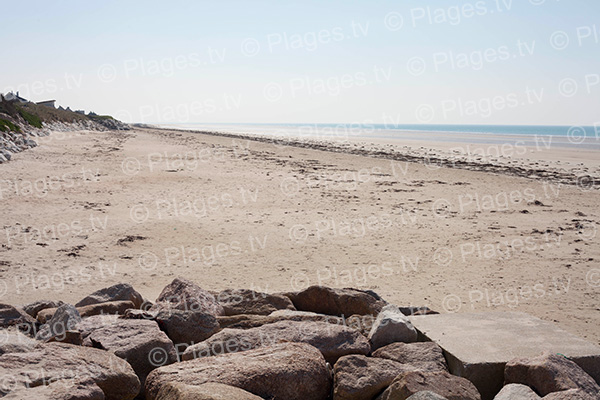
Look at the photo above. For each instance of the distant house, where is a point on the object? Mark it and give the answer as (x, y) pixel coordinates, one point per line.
(47, 103)
(61, 108)
(80, 112)
(10, 96)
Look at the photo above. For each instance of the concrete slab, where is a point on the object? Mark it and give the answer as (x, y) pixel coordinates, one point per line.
(478, 345)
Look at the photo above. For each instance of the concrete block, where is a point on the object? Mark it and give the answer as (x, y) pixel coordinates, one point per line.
(477, 346)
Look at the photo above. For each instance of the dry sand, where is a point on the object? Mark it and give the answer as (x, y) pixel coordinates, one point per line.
(86, 210)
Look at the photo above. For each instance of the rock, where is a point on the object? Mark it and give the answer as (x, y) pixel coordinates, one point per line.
(141, 343)
(358, 377)
(334, 341)
(63, 320)
(426, 395)
(549, 373)
(411, 310)
(442, 383)
(139, 314)
(362, 323)
(571, 394)
(90, 324)
(34, 308)
(13, 316)
(66, 389)
(13, 341)
(340, 302)
(245, 301)
(291, 371)
(120, 291)
(391, 326)
(515, 391)
(426, 356)
(50, 362)
(205, 391)
(187, 327)
(182, 294)
(244, 321)
(110, 307)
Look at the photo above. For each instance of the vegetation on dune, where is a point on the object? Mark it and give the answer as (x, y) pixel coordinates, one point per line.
(31, 119)
(7, 126)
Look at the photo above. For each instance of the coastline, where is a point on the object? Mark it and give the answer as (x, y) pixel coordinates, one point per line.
(147, 205)
(570, 166)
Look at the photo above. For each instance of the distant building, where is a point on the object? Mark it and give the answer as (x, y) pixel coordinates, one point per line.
(10, 96)
(47, 103)
(61, 108)
(80, 112)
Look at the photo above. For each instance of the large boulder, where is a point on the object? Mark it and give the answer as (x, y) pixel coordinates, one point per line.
(358, 377)
(205, 391)
(13, 316)
(245, 301)
(549, 373)
(34, 308)
(53, 362)
(13, 341)
(110, 307)
(244, 321)
(185, 295)
(442, 383)
(334, 341)
(66, 389)
(426, 356)
(187, 327)
(516, 391)
(571, 394)
(141, 343)
(120, 291)
(57, 328)
(291, 371)
(340, 302)
(391, 326)
(90, 324)
(426, 395)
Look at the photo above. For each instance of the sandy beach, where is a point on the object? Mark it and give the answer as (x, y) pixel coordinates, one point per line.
(85, 210)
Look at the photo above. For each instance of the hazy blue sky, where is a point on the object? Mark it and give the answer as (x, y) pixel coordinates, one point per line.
(472, 62)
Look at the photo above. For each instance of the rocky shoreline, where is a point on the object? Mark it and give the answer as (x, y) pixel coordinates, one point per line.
(317, 343)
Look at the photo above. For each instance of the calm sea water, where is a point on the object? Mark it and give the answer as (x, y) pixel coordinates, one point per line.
(529, 135)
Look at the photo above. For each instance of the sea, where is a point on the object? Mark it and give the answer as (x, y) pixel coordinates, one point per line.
(587, 137)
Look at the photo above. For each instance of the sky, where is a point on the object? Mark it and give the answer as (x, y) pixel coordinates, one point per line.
(412, 61)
